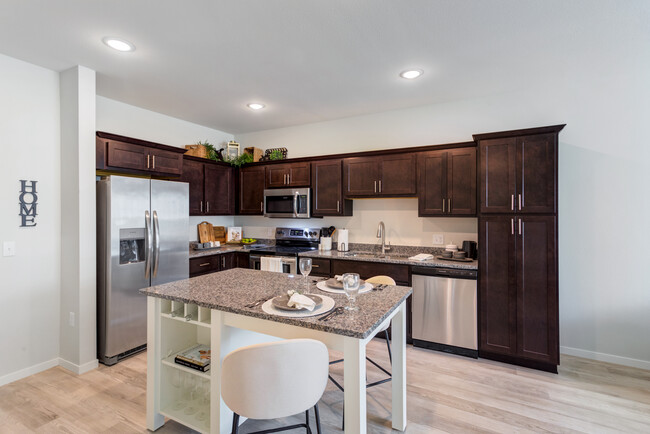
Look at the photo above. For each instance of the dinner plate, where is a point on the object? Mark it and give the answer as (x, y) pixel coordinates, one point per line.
(337, 284)
(281, 302)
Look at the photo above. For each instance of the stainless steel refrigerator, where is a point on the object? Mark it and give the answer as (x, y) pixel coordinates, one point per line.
(142, 240)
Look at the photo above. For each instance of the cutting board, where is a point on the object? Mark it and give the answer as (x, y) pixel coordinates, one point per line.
(206, 232)
(219, 234)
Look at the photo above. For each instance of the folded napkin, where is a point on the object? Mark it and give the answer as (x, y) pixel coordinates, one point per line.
(300, 301)
(339, 277)
(421, 257)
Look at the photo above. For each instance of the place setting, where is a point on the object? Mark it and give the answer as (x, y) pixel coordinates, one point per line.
(334, 285)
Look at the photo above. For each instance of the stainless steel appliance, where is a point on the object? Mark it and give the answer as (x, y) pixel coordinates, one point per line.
(444, 310)
(289, 242)
(141, 241)
(287, 203)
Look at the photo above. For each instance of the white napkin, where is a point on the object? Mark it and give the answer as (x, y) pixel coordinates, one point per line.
(421, 257)
(300, 301)
(339, 277)
(271, 263)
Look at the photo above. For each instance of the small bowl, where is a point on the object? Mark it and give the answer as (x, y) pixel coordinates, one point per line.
(460, 255)
(447, 254)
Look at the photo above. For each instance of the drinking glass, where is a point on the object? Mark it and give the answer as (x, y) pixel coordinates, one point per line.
(351, 289)
(305, 269)
(177, 381)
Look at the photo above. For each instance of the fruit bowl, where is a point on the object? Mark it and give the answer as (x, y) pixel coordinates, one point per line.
(248, 240)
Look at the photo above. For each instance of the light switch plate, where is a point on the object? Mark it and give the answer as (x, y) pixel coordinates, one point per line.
(9, 248)
(438, 239)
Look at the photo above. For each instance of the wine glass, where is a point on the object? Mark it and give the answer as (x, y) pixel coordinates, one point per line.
(305, 269)
(351, 289)
(177, 382)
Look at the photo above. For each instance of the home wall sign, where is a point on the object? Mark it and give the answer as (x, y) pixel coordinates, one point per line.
(28, 200)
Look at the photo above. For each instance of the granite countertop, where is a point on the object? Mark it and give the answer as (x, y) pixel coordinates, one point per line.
(390, 259)
(216, 251)
(232, 290)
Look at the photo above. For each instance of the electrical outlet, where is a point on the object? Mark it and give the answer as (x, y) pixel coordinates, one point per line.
(71, 319)
(9, 248)
(438, 239)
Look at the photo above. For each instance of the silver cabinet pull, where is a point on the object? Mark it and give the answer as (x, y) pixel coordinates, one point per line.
(512, 226)
(288, 179)
(315, 266)
(205, 264)
(207, 207)
(153, 159)
(261, 206)
(223, 262)
(380, 185)
(519, 226)
(201, 206)
(449, 205)
(519, 201)
(148, 156)
(337, 209)
(443, 204)
(512, 202)
(375, 186)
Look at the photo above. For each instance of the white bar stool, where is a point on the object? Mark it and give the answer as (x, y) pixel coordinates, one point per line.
(274, 380)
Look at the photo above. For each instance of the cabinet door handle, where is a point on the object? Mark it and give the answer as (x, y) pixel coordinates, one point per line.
(205, 264)
(519, 226)
(153, 159)
(443, 205)
(337, 208)
(512, 226)
(207, 207)
(375, 186)
(223, 262)
(201, 206)
(512, 202)
(148, 156)
(449, 205)
(261, 206)
(315, 266)
(519, 201)
(288, 178)
(380, 185)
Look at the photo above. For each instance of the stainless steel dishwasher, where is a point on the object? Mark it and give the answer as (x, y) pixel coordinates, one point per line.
(444, 310)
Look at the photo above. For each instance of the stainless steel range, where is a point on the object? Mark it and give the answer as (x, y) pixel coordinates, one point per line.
(289, 242)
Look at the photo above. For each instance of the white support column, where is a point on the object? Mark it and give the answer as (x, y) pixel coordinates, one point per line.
(398, 347)
(354, 383)
(217, 419)
(154, 419)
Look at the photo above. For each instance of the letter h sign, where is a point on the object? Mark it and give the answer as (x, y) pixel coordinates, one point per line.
(27, 200)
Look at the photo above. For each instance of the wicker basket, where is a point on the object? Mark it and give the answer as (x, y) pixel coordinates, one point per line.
(255, 152)
(197, 151)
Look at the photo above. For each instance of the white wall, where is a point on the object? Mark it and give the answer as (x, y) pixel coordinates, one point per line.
(604, 205)
(127, 120)
(29, 281)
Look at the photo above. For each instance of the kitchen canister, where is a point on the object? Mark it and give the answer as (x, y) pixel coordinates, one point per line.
(326, 242)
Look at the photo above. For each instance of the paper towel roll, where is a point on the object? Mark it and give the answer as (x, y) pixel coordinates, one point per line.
(343, 244)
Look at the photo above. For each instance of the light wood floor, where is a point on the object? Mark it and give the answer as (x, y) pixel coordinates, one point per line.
(445, 394)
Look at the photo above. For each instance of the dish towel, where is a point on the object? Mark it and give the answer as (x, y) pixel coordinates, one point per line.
(421, 257)
(271, 263)
(299, 301)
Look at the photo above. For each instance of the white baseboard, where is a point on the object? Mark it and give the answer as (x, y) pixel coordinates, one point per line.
(609, 358)
(26, 372)
(79, 369)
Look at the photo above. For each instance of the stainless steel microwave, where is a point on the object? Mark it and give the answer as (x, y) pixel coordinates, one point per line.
(287, 203)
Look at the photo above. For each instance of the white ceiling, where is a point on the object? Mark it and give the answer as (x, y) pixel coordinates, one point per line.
(309, 60)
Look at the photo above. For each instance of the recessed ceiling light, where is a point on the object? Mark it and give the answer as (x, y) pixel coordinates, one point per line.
(255, 106)
(118, 44)
(411, 74)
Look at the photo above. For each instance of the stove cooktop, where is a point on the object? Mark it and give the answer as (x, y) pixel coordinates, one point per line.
(283, 250)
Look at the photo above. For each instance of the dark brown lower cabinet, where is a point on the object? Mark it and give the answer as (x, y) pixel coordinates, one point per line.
(242, 260)
(518, 290)
(212, 263)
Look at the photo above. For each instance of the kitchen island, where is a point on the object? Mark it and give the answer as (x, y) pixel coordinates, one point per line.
(211, 310)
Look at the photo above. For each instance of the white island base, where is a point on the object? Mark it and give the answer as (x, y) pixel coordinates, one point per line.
(168, 332)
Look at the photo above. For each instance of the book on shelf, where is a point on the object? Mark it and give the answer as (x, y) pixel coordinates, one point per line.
(196, 357)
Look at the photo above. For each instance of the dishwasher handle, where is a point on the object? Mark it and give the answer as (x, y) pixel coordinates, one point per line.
(454, 273)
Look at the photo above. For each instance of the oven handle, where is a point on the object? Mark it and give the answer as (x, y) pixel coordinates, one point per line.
(295, 204)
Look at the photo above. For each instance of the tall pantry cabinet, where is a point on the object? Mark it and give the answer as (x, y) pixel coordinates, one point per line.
(518, 276)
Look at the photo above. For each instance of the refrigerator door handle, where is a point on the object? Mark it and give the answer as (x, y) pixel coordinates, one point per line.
(156, 243)
(147, 244)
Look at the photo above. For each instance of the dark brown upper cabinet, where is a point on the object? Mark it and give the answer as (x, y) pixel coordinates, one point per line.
(251, 190)
(327, 189)
(447, 183)
(519, 173)
(518, 287)
(212, 190)
(381, 176)
(288, 175)
(127, 155)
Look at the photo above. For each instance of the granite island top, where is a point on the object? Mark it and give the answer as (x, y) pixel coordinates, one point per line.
(390, 259)
(232, 290)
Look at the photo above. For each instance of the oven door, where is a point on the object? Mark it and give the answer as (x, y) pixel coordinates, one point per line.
(288, 263)
(287, 203)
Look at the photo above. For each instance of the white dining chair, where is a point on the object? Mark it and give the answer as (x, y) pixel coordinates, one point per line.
(375, 280)
(274, 380)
